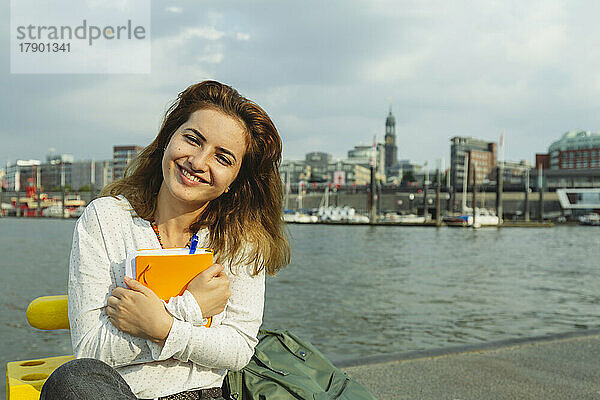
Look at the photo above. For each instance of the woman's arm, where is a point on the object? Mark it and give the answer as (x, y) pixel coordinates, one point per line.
(90, 284)
(206, 294)
(229, 345)
(186, 308)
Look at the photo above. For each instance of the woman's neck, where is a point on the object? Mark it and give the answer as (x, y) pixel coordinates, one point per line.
(173, 219)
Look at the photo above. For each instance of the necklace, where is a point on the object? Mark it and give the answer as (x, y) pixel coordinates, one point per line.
(155, 228)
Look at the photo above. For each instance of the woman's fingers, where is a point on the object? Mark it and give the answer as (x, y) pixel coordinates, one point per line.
(137, 286)
(213, 271)
(114, 316)
(138, 312)
(119, 292)
(115, 322)
(112, 301)
(211, 290)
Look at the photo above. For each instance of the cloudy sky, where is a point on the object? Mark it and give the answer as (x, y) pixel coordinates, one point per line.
(327, 72)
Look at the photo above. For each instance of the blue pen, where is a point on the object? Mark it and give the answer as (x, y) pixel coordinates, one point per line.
(193, 244)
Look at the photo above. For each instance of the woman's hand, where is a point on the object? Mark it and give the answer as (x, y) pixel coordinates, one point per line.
(139, 312)
(211, 290)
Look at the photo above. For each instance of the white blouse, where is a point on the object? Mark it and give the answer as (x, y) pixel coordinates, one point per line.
(193, 356)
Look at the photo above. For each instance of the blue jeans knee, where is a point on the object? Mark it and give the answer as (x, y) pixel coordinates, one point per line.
(86, 378)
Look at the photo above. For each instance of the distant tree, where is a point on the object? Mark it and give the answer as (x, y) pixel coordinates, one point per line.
(408, 176)
(57, 188)
(85, 188)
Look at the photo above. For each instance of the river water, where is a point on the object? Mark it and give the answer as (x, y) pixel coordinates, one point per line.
(361, 291)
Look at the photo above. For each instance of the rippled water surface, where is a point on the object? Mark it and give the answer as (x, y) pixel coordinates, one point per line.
(358, 291)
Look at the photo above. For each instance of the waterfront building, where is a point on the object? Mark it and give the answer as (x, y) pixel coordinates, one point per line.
(81, 175)
(359, 175)
(361, 155)
(407, 168)
(566, 178)
(56, 172)
(574, 150)
(93, 175)
(317, 163)
(292, 171)
(351, 171)
(17, 174)
(53, 158)
(514, 171)
(354, 172)
(484, 159)
(122, 155)
(54, 175)
(391, 151)
(360, 152)
(103, 173)
(320, 167)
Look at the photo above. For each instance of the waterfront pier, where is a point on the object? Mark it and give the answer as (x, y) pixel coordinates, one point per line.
(564, 366)
(514, 203)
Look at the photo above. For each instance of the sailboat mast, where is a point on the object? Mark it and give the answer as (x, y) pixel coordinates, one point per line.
(465, 181)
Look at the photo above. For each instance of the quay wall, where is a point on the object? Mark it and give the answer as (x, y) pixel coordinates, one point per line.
(513, 202)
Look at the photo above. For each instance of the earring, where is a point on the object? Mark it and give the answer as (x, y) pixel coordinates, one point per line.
(227, 190)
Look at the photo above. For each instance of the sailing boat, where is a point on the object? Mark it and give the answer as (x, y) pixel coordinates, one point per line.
(475, 217)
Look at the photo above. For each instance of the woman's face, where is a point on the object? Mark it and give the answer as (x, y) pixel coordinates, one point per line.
(203, 157)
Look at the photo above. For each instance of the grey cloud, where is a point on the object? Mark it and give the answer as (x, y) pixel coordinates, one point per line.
(325, 71)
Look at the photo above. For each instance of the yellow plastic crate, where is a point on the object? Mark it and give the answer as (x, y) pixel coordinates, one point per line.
(24, 379)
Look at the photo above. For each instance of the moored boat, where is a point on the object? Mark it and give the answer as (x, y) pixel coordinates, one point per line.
(592, 219)
(483, 217)
(300, 218)
(56, 211)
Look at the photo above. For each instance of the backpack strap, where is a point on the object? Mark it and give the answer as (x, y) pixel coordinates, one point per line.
(290, 341)
(233, 385)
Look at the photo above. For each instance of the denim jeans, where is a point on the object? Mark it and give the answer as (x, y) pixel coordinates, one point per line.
(86, 378)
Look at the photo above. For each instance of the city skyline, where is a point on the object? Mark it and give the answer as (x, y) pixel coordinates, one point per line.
(53, 152)
(327, 77)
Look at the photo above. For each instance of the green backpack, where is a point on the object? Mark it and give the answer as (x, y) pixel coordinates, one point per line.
(286, 367)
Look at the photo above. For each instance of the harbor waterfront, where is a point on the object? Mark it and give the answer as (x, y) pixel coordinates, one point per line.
(362, 291)
(392, 200)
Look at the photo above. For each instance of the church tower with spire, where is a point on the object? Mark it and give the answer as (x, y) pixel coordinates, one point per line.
(391, 151)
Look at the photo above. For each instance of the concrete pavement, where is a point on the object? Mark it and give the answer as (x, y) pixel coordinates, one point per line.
(565, 366)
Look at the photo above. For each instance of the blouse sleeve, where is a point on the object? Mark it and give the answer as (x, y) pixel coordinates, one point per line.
(229, 345)
(185, 308)
(90, 285)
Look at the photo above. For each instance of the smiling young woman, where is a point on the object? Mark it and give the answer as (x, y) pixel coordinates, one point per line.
(212, 171)
(251, 212)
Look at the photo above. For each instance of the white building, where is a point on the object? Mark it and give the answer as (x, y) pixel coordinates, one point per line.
(17, 174)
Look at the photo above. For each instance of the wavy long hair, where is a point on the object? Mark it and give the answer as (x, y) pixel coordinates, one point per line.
(246, 223)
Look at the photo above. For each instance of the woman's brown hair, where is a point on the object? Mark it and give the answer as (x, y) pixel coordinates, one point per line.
(246, 223)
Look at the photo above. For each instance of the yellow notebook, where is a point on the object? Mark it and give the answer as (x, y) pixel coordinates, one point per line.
(167, 271)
